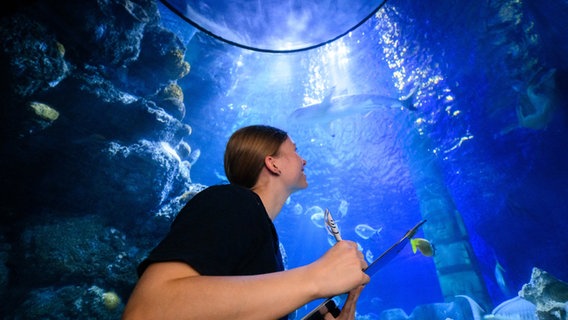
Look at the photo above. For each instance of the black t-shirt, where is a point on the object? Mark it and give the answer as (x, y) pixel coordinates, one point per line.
(223, 230)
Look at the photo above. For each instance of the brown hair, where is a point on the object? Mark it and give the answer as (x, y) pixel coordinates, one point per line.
(246, 150)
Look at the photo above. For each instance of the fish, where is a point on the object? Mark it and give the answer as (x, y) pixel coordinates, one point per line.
(422, 245)
(336, 107)
(343, 207)
(499, 273)
(538, 102)
(318, 219)
(365, 231)
(542, 97)
(298, 209)
(316, 214)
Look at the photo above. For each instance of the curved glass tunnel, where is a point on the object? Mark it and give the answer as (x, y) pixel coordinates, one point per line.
(117, 113)
(275, 26)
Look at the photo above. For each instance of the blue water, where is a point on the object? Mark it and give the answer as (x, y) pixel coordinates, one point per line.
(97, 186)
(467, 60)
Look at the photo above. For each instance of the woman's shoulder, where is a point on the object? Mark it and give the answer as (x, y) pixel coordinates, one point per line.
(224, 194)
(227, 201)
(226, 190)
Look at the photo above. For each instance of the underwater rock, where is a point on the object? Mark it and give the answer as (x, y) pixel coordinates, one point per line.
(83, 151)
(78, 83)
(548, 293)
(92, 102)
(104, 150)
(44, 111)
(174, 206)
(170, 98)
(45, 115)
(4, 271)
(183, 149)
(68, 302)
(92, 175)
(73, 250)
(111, 300)
(98, 32)
(32, 60)
(126, 180)
(161, 60)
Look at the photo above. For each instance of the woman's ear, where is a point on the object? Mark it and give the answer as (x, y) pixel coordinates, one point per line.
(271, 165)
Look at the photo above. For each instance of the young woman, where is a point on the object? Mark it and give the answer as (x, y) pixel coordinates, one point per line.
(221, 258)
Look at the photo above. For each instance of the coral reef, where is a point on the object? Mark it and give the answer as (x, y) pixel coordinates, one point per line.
(549, 294)
(44, 111)
(465, 308)
(67, 302)
(171, 99)
(4, 271)
(90, 98)
(32, 59)
(161, 60)
(111, 300)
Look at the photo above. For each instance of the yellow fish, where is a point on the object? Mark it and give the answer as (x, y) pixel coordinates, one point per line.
(423, 245)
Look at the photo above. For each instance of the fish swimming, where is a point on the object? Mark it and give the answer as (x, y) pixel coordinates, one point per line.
(543, 99)
(422, 245)
(365, 231)
(332, 108)
(538, 102)
(500, 278)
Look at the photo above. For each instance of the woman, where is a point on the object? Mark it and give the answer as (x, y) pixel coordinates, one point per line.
(221, 258)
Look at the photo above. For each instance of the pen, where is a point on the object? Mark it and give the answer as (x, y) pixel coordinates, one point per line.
(331, 225)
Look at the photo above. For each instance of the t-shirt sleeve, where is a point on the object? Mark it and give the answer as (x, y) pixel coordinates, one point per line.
(214, 234)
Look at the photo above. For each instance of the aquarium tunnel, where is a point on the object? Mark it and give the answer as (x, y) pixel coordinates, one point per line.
(116, 113)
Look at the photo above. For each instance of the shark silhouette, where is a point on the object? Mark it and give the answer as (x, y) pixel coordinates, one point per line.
(332, 108)
(538, 102)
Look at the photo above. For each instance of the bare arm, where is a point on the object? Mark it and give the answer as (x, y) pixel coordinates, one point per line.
(174, 290)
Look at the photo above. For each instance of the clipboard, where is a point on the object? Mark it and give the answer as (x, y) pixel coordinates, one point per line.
(385, 258)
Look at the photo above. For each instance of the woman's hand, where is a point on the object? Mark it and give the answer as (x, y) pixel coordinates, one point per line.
(348, 311)
(340, 270)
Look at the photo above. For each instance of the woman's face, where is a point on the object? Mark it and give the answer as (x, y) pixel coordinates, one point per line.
(291, 166)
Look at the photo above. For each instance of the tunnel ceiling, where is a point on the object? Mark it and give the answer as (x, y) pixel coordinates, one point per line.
(275, 25)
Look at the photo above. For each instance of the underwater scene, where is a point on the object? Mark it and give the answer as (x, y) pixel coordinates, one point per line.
(116, 113)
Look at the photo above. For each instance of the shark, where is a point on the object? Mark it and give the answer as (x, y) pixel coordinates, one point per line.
(335, 107)
(543, 99)
(538, 102)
